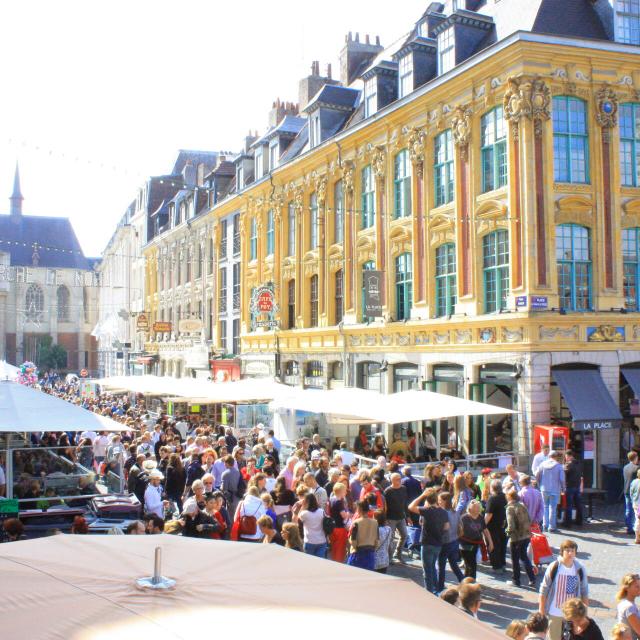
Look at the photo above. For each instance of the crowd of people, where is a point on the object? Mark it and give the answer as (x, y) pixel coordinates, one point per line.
(204, 480)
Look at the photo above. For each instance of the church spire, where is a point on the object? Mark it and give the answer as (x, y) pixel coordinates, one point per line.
(16, 197)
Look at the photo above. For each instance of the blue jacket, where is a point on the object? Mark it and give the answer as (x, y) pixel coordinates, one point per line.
(550, 477)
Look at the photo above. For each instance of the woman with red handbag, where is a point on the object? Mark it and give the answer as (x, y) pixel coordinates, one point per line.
(245, 525)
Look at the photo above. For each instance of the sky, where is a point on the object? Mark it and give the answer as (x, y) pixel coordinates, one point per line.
(98, 96)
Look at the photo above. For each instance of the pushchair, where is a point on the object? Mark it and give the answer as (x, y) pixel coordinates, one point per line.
(413, 542)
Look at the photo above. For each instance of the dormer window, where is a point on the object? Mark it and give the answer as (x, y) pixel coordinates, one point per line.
(405, 76)
(314, 130)
(239, 176)
(370, 96)
(423, 29)
(446, 51)
(273, 155)
(259, 163)
(628, 21)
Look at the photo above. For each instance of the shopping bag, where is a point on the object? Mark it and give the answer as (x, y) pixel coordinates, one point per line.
(542, 552)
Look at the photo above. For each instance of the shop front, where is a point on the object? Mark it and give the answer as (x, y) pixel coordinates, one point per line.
(447, 379)
(581, 401)
(630, 408)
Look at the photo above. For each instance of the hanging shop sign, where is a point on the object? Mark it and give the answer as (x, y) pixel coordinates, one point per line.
(263, 301)
(142, 322)
(373, 293)
(162, 327)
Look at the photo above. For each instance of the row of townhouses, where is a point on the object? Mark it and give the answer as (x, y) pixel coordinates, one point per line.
(458, 212)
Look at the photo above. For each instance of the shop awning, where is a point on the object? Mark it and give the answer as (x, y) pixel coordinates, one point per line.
(590, 403)
(632, 376)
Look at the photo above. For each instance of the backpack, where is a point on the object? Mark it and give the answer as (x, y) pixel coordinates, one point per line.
(248, 524)
(328, 524)
(553, 570)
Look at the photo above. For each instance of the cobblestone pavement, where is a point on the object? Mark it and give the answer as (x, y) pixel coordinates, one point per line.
(603, 546)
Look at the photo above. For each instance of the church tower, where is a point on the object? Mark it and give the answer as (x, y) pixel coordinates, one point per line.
(16, 197)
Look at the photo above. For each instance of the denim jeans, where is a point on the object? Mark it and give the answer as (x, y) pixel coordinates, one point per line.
(549, 515)
(573, 502)
(629, 515)
(319, 550)
(451, 552)
(429, 554)
(519, 553)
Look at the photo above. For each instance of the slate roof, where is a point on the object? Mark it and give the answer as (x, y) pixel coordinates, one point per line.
(289, 125)
(297, 145)
(208, 158)
(332, 95)
(576, 18)
(59, 246)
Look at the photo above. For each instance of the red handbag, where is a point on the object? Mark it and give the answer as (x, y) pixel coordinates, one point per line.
(542, 552)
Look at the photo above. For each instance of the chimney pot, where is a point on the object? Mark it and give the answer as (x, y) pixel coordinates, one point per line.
(357, 36)
(329, 71)
(350, 36)
(366, 38)
(378, 40)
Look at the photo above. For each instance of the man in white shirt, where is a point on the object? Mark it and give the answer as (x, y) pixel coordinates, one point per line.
(430, 445)
(539, 458)
(153, 502)
(88, 435)
(512, 479)
(100, 445)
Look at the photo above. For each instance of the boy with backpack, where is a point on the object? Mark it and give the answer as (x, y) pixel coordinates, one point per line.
(564, 579)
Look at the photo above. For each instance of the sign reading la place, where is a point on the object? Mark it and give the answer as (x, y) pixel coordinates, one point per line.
(263, 301)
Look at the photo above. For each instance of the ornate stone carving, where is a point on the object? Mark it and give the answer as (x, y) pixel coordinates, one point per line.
(463, 336)
(378, 161)
(386, 341)
(421, 337)
(605, 333)
(441, 338)
(461, 129)
(558, 333)
(403, 339)
(321, 189)
(512, 335)
(415, 143)
(527, 98)
(298, 198)
(348, 173)
(487, 335)
(606, 108)
(355, 341)
(370, 340)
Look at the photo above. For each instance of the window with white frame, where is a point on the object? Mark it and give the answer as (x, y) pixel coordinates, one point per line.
(291, 230)
(405, 75)
(628, 21)
(446, 51)
(370, 96)
(273, 155)
(259, 163)
(314, 130)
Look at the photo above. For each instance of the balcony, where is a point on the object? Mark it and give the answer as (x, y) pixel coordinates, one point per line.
(223, 251)
(236, 245)
(236, 301)
(222, 303)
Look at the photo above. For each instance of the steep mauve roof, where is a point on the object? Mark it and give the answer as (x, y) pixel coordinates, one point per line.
(571, 18)
(58, 247)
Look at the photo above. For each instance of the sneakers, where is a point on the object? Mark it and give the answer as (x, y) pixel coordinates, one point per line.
(512, 583)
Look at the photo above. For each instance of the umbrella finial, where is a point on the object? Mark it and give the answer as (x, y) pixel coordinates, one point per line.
(157, 580)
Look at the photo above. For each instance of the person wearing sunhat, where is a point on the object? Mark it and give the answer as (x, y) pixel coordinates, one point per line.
(153, 502)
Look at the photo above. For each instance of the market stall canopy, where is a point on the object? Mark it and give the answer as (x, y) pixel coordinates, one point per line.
(248, 390)
(237, 585)
(371, 406)
(588, 399)
(23, 409)
(8, 371)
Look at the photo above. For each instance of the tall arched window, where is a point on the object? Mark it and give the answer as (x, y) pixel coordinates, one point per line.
(570, 140)
(198, 263)
(368, 197)
(402, 185)
(630, 144)
(339, 295)
(34, 302)
(313, 301)
(291, 304)
(573, 255)
(444, 177)
(338, 213)
(63, 298)
(314, 236)
(631, 264)
(404, 286)
(494, 150)
(495, 264)
(446, 291)
(271, 233)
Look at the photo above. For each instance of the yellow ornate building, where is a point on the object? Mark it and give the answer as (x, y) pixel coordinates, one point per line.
(500, 203)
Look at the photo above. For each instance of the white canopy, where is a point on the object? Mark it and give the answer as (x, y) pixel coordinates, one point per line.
(371, 406)
(248, 390)
(8, 371)
(84, 587)
(23, 409)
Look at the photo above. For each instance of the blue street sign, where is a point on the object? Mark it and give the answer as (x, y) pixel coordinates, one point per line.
(521, 301)
(539, 302)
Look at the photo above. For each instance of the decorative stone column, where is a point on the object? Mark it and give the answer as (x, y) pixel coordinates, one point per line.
(416, 143)
(323, 267)
(461, 132)
(298, 203)
(348, 172)
(607, 118)
(378, 166)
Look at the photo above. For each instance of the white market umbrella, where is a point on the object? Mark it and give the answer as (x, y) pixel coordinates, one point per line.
(84, 587)
(24, 409)
(8, 371)
(372, 406)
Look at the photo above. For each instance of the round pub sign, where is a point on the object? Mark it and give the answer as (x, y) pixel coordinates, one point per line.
(265, 301)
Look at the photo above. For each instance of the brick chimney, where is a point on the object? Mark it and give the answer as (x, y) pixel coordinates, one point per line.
(309, 86)
(356, 55)
(281, 109)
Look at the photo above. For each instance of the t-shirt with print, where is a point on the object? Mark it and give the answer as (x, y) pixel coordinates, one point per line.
(567, 586)
(626, 609)
(472, 528)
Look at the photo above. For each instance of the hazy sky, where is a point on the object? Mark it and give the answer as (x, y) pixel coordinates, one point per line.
(97, 96)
